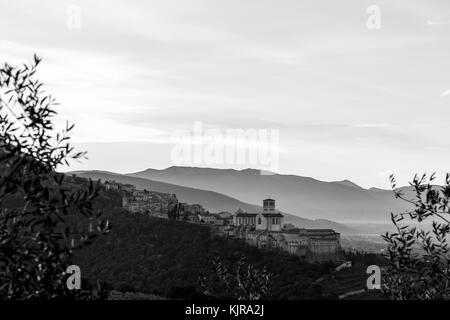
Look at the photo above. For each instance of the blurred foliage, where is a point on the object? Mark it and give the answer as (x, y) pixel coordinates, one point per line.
(243, 282)
(424, 273)
(36, 242)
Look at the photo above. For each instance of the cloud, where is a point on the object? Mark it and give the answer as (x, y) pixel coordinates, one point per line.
(438, 23)
(338, 92)
(445, 93)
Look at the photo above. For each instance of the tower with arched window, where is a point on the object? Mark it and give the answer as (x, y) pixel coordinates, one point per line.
(269, 219)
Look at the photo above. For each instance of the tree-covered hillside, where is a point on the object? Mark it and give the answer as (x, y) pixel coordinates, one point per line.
(168, 258)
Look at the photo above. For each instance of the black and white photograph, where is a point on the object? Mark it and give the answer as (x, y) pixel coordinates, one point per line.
(210, 151)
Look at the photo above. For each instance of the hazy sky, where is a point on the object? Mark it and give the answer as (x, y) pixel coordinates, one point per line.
(348, 102)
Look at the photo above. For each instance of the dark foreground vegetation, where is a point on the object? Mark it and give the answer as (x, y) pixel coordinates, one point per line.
(36, 242)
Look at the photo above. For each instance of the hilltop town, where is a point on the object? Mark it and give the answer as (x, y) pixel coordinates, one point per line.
(264, 229)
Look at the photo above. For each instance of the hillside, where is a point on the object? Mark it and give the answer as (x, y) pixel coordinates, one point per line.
(212, 201)
(341, 201)
(167, 258)
(151, 258)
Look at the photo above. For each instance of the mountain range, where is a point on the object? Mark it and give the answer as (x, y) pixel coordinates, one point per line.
(341, 201)
(306, 202)
(210, 200)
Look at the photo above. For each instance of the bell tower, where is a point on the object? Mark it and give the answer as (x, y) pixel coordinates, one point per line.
(268, 205)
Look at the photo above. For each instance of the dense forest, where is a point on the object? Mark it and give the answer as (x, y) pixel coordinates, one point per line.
(168, 258)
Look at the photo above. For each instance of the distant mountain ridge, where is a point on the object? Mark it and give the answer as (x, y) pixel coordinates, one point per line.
(348, 183)
(212, 201)
(342, 201)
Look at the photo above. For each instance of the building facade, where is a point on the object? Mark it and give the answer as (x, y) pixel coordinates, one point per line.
(266, 230)
(154, 203)
(268, 219)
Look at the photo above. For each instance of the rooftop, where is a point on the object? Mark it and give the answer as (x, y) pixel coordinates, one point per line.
(245, 214)
(311, 232)
(274, 214)
(252, 214)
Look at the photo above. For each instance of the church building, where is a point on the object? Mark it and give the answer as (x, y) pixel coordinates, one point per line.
(265, 230)
(268, 219)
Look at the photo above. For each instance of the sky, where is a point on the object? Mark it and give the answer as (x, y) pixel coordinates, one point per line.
(348, 89)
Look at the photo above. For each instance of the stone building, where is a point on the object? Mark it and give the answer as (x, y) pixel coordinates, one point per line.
(154, 203)
(314, 244)
(265, 230)
(113, 185)
(193, 208)
(268, 219)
